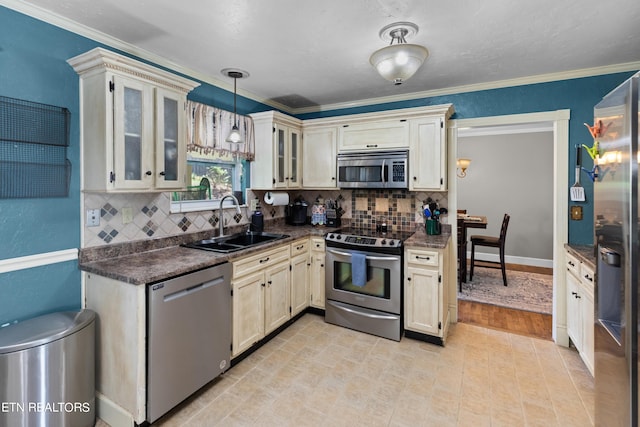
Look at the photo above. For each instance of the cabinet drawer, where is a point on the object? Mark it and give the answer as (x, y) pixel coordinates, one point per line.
(317, 244)
(587, 277)
(299, 247)
(422, 257)
(573, 265)
(259, 261)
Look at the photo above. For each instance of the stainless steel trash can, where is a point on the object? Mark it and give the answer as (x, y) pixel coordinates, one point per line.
(47, 371)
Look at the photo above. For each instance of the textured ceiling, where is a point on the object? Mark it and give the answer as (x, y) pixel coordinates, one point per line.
(305, 54)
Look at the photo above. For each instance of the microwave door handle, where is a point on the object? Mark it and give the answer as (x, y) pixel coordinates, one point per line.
(383, 171)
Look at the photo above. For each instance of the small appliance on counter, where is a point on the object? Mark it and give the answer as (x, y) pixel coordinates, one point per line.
(296, 212)
(257, 221)
(332, 213)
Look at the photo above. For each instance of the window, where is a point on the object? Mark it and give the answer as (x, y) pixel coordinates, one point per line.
(215, 167)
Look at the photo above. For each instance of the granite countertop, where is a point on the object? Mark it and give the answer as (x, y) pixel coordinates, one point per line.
(143, 263)
(584, 253)
(148, 264)
(421, 239)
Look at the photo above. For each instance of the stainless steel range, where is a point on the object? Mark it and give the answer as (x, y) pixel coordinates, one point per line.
(364, 281)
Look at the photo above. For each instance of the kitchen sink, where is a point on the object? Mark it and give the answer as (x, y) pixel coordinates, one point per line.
(235, 242)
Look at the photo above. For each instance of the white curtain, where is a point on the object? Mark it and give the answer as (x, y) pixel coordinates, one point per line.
(209, 127)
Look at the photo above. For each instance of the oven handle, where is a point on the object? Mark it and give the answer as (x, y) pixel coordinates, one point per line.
(370, 258)
(360, 313)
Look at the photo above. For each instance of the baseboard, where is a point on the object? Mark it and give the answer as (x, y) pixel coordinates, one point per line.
(111, 413)
(515, 260)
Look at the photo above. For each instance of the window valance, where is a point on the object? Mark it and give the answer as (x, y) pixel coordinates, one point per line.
(209, 127)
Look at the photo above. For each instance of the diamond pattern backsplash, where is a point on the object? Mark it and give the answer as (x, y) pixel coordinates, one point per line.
(152, 217)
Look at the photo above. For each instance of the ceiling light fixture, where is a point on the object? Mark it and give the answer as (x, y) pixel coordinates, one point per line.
(398, 62)
(235, 74)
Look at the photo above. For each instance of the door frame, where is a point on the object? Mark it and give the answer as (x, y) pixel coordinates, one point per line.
(560, 121)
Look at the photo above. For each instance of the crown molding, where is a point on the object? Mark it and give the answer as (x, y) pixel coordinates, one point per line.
(67, 24)
(521, 81)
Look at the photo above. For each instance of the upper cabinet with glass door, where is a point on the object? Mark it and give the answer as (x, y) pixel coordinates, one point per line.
(133, 123)
(278, 155)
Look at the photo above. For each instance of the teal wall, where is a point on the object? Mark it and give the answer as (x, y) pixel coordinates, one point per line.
(33, 67)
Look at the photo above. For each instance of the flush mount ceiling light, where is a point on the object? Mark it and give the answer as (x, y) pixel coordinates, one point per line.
(235, 74)
(398, 62)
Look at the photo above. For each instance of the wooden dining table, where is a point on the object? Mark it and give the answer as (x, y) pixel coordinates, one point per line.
(464, 222)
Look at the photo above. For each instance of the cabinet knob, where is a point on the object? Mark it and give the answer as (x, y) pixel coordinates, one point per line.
(148, 173)
(322, 265)
(415, 178)
(162, 173)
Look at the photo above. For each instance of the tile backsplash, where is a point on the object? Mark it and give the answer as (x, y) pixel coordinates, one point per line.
(150, 217)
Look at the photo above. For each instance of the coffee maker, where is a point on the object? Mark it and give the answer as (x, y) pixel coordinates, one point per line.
(296, 212)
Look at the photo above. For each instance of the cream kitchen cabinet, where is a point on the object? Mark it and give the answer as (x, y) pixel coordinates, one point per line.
(261, 296)
(378, 134)
(428, 154)
(580, 308)
(278, 151)
(319, 145)
(299, 276)
(426, 303)
(317, 274)
(133, 124)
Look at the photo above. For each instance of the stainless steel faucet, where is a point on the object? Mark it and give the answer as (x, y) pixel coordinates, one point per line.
(221, 216)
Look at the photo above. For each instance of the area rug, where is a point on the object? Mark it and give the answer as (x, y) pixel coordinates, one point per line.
(525, 291)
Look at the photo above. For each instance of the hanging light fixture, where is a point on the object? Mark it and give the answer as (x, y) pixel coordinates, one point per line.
(398, 62)
(235, 74)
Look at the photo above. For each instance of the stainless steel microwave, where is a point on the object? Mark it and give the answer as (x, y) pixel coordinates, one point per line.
(382, 169)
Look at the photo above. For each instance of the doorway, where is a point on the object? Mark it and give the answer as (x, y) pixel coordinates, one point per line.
(557, 122)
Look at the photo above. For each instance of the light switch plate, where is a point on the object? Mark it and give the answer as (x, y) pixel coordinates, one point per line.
(576, 213)
(93, 217)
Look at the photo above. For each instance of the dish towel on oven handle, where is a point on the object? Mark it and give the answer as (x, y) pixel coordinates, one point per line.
(358, 269)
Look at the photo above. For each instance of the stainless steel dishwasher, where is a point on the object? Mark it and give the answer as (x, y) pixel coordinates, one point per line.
(189, 335)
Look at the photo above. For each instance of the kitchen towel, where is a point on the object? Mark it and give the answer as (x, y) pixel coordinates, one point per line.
(276, 198)
(358, 269)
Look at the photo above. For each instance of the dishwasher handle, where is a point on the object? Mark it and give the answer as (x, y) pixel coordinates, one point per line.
(193, 289)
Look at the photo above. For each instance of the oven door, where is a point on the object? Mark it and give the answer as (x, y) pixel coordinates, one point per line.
(382, 288)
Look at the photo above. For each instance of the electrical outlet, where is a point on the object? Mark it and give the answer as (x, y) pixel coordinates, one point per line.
(254, 205)
(127, 215)
(93, 217)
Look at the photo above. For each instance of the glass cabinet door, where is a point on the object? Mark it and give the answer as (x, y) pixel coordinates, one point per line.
(170, 160)
(281, 157)
(133, 134)
(294, 158)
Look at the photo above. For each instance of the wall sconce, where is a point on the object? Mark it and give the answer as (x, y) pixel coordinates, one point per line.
(461, 167)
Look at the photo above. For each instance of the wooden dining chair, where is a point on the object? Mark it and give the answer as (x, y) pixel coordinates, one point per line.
(492, 242)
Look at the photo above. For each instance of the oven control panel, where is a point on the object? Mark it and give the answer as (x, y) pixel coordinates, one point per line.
(379, 242)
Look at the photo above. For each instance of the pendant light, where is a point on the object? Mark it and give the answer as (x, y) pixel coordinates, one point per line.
(398, 62)
(235, 136)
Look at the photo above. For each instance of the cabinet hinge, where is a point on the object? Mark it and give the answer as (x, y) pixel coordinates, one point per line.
(290, 310)
(439, 325)
(441, 124)
(112, 86)
(231, 292)
(273, 129)
(290, 268)
(441, 181)
(231, 347)
(439, 278)
(112, 177)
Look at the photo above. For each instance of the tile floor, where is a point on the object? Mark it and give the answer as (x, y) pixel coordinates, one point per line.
(316, 374)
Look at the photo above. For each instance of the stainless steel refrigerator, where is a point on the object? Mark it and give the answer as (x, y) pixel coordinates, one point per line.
(616, 241)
